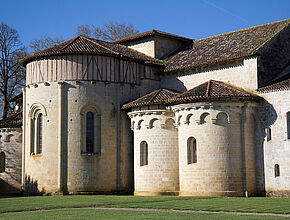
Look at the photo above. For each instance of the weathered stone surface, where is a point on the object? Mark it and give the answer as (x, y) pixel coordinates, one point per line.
(10, 145)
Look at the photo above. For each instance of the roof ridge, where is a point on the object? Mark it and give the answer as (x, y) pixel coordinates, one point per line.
(226, 91)
(207, 88)
(99, 45)
(71, 41)
(152, 31)
(244, 29)
(154, 96)
(144, 96)
(269, 39)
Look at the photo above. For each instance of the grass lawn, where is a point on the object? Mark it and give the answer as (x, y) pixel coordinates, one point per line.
(11, 207)
(122, 214)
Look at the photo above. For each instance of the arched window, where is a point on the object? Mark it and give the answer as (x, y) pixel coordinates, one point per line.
(143, 153)
(191, 150)
(32, 135)
(2, 162)
(36, 114)
(39, 122)
(90, 128)
(36, 133)
(269, 134)
(288, 125)
(277, 170)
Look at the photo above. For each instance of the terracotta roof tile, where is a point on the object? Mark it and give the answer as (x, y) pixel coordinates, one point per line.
(225, 47)
(212, 90)
(91, 46)
(150, 33)
(157, 97)
(12, 121)
(283, 85)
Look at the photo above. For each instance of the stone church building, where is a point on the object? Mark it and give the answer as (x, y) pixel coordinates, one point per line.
(154, 114)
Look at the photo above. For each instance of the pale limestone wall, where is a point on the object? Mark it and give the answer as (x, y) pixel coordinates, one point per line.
(146, 46)
(223, 152)
(92, 172)
(62, 167)
(41, 172)
(241, 74)
(160, 176)
(166, 46)
(272, 113)
(274, 58)
(157, 47)
(250, 137)
(82, 172)
(10, 144)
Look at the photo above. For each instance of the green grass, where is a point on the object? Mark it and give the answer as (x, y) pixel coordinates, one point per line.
(122, 214)
(260, 205)
(50, 202)
(12, 208)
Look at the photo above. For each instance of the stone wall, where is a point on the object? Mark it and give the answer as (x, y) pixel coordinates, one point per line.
(272, 114)
(10, 180)
(158, 47)
(63, 167)
(274, 58)
(41, 171)
(166, 46)
(146, 46)
(160, 176)
(225, 163)
(240, 74)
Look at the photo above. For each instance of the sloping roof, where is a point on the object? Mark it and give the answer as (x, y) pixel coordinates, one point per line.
(212, 90)
(225, 47)
(150, 33)
(279, 86)
(12, 121)
(90, 46)
(157, 97)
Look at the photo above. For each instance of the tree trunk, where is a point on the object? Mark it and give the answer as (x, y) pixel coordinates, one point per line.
(5, 106)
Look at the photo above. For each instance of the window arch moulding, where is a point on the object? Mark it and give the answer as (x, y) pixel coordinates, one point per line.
(87, 137)
(36, 113)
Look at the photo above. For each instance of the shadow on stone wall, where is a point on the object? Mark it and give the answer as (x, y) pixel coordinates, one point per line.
(266, 117)
(174, 83)
(7, 189)
(31, 188)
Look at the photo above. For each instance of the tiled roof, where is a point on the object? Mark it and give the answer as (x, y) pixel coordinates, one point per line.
(157, 97)
(150, 33)
(212, 90)
(283, 85)
(91, 46)
(12, 121)
(225, 47)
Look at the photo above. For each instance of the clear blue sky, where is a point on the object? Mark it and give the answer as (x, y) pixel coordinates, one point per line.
(195, 19)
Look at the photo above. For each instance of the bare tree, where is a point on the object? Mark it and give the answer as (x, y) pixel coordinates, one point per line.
(12, 75)
(44, 42)
(109, 31)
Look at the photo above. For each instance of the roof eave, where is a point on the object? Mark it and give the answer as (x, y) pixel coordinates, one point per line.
(211, 64)
(150, 35)
(23, 62)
